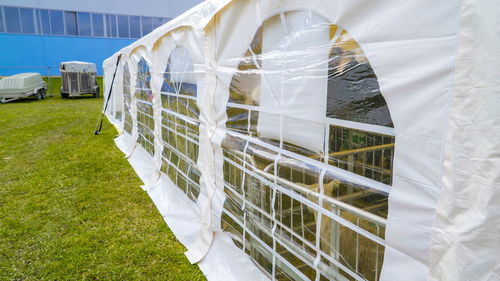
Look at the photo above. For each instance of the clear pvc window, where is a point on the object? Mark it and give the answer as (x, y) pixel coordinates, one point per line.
(308, 153)
(144, 104)
(127, 101)
(180, 123)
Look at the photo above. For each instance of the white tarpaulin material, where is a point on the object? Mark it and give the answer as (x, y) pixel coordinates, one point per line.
(320, 140)
(78, 66)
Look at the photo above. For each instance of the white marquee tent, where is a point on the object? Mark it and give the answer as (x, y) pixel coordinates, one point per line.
(320, 140)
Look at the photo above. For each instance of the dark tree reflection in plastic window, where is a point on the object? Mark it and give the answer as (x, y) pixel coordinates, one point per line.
(180, 122)
(353, 90)
(354, 95)
(144, 98)
(275, 181)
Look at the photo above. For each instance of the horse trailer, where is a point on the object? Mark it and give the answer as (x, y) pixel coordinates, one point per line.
(78, 78)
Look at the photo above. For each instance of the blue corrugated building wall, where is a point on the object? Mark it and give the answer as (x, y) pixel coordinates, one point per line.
(34, 53)
(35, 36)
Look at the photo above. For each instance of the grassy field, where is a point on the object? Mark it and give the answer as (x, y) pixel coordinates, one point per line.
(70, 205)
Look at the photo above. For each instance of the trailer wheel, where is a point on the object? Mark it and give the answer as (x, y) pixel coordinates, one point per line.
(43, 93)
(63, 95)
(96, 93)
(38, 95)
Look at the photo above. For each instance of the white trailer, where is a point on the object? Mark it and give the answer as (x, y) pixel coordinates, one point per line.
(22, 85)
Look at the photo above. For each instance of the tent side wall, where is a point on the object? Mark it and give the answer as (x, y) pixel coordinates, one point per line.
(233, 117)
(465, 233)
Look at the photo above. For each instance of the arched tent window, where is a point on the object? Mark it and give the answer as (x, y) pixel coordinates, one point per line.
(180, 121)
(365, 147)
(144, 98)
(127, 100)
(308, 130)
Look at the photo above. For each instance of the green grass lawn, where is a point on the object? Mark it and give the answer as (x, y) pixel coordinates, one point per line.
(70, 205)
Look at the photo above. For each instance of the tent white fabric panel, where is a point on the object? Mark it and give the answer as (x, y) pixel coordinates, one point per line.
(291, 94)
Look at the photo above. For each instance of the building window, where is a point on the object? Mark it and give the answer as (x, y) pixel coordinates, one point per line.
(111, 30)
(2, 29)
(44, 25)
(57, 22)
(135, 27)
(84, 26)
(98, 25)
(12, 20)
(147, 25)
(71, 26)
(123, 27)
(27, 21)
(157, 22)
